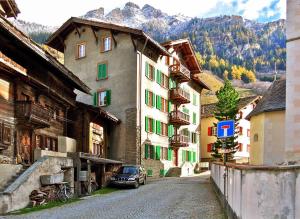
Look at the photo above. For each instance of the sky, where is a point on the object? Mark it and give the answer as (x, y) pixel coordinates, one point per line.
(56, 12)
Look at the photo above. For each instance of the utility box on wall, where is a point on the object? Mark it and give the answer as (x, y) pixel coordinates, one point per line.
(66, 144)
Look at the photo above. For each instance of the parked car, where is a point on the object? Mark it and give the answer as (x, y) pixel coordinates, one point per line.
(129, 175)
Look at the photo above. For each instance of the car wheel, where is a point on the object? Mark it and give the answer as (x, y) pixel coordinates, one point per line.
(136, 184)
(144, 182)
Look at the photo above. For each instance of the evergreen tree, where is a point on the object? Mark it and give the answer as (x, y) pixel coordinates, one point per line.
(226, 109)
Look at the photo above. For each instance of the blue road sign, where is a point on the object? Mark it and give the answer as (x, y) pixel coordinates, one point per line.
(225, 129)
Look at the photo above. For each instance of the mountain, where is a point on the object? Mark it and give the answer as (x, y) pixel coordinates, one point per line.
(223, 41)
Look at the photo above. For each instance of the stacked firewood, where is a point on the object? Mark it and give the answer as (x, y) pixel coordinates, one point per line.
(43, 195)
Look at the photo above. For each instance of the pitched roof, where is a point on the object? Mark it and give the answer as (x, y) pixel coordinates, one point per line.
(56, 39)
(273, 100)
(18, 37)
(209, 109)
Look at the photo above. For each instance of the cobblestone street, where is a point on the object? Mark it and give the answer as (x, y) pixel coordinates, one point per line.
(191, 197)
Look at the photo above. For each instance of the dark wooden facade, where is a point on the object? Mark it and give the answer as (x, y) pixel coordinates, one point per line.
(36, 93)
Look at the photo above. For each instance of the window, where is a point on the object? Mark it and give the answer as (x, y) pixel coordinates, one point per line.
(248, 132)
(241, 115)
(167, 60)
(149, 98)
(194, 138)
(240, 130)
(80, 50)
(106, 44)
(194, 99)
(255, 137)
(150, 71)
(7, 135)
(164, 80)
(212, 131)
(164, 107)
(164, 153)
(102, 71)
(164, 129)
(194, 118)
(172, 83)
(240, 147)
(149, 125)
(152, 152)
(102, 98)
(210, 148)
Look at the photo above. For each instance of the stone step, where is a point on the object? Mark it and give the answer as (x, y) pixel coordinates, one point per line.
(13, 178)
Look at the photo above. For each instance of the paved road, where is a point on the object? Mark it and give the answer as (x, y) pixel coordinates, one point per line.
(191, 197)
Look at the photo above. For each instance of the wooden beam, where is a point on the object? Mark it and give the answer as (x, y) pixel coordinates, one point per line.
(95, 35)
(145, 44)
(133, 43)
(113, 37)
(76, 28)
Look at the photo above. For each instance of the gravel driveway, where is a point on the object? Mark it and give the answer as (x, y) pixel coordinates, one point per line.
(191, 197)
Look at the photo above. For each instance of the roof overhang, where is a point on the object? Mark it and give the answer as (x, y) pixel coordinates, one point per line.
(56, 40)
(10, 8)
(104, 114)
(185, 47)
(19, 40)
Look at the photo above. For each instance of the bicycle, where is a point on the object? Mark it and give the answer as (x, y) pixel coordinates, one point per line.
(64, 192)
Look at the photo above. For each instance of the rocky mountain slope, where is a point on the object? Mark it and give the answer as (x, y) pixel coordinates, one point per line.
(256, 46)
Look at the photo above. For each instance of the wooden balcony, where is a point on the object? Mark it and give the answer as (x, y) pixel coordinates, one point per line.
(33, 114)
(180, 73)
(179, 118)
(179, 141)
(179, 96)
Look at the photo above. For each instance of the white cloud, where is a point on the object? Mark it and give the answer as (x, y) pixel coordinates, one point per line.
(252, 8)
(281, 7)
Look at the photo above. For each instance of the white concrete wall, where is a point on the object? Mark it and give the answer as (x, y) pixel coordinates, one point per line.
(292, 121)
(260, 192)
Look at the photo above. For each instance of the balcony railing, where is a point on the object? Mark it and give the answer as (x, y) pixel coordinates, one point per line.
(177, 95)
(180, 72)
(179, 141)
(179, 118)
(32, 113)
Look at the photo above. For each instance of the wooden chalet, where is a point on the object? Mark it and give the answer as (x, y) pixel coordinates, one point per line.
(36, 93)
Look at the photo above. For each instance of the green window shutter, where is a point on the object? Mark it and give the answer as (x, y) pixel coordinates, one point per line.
(146, 97)
(102, 71)
(153, 100)
(95, 99)
(157, 102)
(157, 126)
(189, 156)
(146, 124)
(153, 74)
(194, 157)
(169, 154)
(158, 152)
(108, 97)
(194, 118)
(146, 151)
(147, 69)
(183, 155)
(195, 99)
(169, 106)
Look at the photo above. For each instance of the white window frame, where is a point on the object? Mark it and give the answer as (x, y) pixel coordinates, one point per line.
(106, 44)
(81, 50)
(102, 98)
